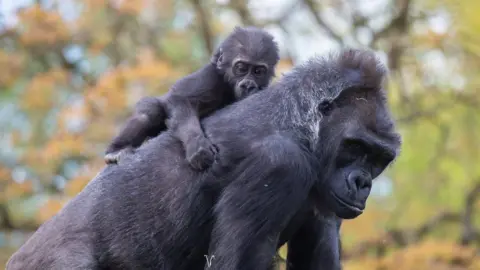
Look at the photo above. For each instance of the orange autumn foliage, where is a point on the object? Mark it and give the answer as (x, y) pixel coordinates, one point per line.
(44, 160)
(14, 63)
(363, 223)
(75, 185)
(95, 4)
(110, 92)
(86, 173)
(40, 27)
(283, 66)
(40, 93)
(5, 174)
(49, 209)
(15, 190)
(72, 112)
(131, 7)
(63, 145)
(426, 255)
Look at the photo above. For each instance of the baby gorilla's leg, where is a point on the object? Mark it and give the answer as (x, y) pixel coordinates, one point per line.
(148, 120)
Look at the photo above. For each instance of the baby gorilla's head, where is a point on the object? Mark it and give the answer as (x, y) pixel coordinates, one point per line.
(247, 58)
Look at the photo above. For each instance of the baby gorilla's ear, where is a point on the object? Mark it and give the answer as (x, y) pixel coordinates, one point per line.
(217, 57)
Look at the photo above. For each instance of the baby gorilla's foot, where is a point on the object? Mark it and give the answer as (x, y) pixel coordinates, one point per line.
(116, 156)
(200, 153)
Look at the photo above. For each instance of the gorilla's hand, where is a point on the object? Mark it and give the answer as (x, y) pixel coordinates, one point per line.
(200, 152)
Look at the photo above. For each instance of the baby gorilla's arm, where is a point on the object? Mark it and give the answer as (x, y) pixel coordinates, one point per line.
(148, 120)
(190, 98)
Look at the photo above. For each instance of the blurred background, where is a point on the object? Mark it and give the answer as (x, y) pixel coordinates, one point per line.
(71, 71)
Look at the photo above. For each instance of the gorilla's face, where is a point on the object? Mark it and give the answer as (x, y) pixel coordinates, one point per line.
(357, 143)
(358, 162)
(249, 77)
(247, 59)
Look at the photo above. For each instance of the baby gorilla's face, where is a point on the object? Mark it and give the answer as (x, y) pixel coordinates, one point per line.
(247, 58)
(249, 77)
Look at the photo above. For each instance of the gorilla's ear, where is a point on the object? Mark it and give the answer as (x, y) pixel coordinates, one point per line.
(220, 59)
(217, 57)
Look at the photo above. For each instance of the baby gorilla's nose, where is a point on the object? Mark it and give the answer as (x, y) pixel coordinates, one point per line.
(248, 86)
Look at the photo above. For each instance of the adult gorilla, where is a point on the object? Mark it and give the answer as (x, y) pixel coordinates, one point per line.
(310, 144)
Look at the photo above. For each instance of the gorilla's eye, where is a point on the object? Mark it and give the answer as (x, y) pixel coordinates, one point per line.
(241, 68)
(325, 107)
(259, 71)
(357, 148)
(351, 150)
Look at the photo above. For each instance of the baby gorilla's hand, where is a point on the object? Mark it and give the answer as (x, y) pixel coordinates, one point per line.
(114, 156)
(200, 153)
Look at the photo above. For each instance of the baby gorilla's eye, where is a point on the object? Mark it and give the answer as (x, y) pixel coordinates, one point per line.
(260, 71)
(241, 68)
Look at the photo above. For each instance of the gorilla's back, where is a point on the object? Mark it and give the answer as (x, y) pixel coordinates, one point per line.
(140, 214)
(146, 197)
(132, 206)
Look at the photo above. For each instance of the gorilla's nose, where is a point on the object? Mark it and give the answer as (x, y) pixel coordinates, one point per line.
(248, 86)
(360, 180)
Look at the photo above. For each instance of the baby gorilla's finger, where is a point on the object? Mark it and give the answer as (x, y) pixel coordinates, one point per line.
(116, 157)
(112, 158)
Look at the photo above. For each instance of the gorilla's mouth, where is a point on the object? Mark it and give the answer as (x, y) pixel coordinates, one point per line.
(243, 93)
(356, 209)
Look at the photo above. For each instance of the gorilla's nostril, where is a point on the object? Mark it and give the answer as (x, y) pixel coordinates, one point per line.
(359, 180)
(363, 181)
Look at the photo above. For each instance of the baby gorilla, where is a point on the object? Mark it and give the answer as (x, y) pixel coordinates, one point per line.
(242, 65)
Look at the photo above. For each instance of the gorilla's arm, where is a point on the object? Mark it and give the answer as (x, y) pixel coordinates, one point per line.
(268, 187)
(148, 120)
(316, 245)
(194, 97)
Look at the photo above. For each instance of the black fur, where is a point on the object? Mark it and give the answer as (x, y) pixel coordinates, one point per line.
(242, 65)
(292, 157)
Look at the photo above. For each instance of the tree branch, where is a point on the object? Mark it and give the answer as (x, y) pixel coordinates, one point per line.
(396, 30)
(399, 22)
(6, 223)
(312, 6)
(280, 20)
(469, 233)
(240, 6)
(204, 24)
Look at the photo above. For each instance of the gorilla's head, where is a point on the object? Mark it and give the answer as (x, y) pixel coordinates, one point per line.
(356, 137)
(247, 58)
(361, 146)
